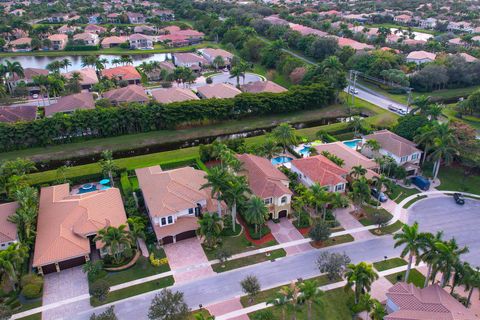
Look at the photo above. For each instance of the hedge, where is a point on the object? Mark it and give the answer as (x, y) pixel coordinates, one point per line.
(82, 48)
(136, 118)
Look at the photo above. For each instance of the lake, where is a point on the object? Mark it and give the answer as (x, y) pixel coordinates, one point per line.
(42, 62)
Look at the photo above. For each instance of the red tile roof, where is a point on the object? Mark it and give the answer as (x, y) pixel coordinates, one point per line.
(262, 86)
(132, 93)
(18, 113)
(8, 230)
(122, 73)
(82, 100)
(321, 170)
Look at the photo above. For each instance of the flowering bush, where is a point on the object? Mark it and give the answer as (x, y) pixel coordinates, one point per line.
(157, 262)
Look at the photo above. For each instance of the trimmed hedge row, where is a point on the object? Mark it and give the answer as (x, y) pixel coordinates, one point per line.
(136, 118)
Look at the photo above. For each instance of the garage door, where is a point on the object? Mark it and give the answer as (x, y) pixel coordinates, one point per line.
(186, 235)
(282, 214)
(50, 268)
(71, 263)
(167, 240)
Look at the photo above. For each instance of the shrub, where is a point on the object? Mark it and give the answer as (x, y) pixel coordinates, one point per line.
(99, 290)
(320, 231)
(31, 278)
(157, 262)
(209, 80)
(32, 291)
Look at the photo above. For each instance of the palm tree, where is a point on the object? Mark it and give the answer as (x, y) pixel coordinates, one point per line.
(126, 60)
(11, 260)
(361, 276)
(444, 149)
(309, 292)
(281, 299)
(426, 136)
(54, 66)
(378, 311)
(270, 148)
(74, 83)
(285, 135)
(358, 171)
(216, 180)
(292, 294)
(319, 197)
(372, 144)
(108, 165)
(66, 63)
(448, 256)
(12, 68)
(429, 252)
(115, 62)
(421, 104)
(471, 281)
(235, 191)
(210, 227)
(236, 72)
(25, 217)
(435, 111)
(137, 227)
(218, 62)
(256, 212)
(360, 192)
(357, 124)
(412, 240)
(116, 240)
(89, 61)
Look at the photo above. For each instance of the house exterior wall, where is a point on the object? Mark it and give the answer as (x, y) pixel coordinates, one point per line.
(419, 61)
(4, 245)
(276, 205)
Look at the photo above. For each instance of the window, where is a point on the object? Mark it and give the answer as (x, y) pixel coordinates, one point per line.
(268, 201)
(339, 187)
(170, 219)
(404, 159)
(284, 200)
(166, 221)
(415, 156)
(190, 211)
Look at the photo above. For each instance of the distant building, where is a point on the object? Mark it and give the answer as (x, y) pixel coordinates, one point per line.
(140, 41)
(59, 41)
(219, 91)
(21, 44)
(420, 57)
(135, 18)
(164, 15)
(89, 39)
(123, 73)
(131, 93)
(210, 54)
(70, 103)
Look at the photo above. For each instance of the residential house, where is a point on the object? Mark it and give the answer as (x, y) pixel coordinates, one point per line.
(123, 73)
(135, 18)
(403, 19)
(59, 41)
(131, 93)
(70, 103)
(68, 222)
(210, 54)
(58, 18)
(267, 183)
(467, 57)
(91, 28)
(403, 151)
(167, 65)
(358, 46)
(262, 86)
(174, 94)
(189, 59)
(176, 37)
(429, 23)
(113, 18)
(219, 91)
(66, 29)
(350, 157)
(113, 41)
(148, 30)
(174, 200)
(461, 26)
(140, 41)
(17, 12)
(87, 38)
(27, 78)
(164, 15)
(319, 169)
(21, 44)
(12, 114)
(420, 57)
(407, 302)
(8, 230)
(305, 31)
(94, 19)
(88, 75)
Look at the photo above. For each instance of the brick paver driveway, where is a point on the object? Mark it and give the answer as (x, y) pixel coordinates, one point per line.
(285, 231)
(187, 260)
(66, 284)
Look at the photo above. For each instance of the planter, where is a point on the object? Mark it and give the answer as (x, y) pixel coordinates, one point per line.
(126, 266)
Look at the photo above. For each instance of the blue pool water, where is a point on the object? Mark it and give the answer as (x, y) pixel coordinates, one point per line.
(304, 150)
(280, 160)
(352, 143)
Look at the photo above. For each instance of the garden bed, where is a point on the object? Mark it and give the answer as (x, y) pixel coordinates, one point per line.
(253, 259)
(333, 241)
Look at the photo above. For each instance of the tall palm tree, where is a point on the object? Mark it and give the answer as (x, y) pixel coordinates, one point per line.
(270, 148)
(66, 63)
(285, 135)
(108, 165)
(11, 260)
(319, 197)
(429, 252)
(448, 256)
(292, 293)
(137, 227)
(361, 276)
(357, 124)
(218, 62)
(372, 144)
(210, 227)
(256, 212)
(217, 178)
(236, 72)
(444, 149)
(310, 292)
(471, 282)
(116, 240)
(425, 137)
(12, 68)
(25, 217)
(421, 104)
(358, 171)
(126, 60)
(360, 192)
(281, 299)
(235, 191)
(412, 240)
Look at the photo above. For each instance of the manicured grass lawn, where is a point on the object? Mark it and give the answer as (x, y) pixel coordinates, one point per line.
(450, 113)
(389, 264)
(453, 178)
(203, 312)
(415, 277)
(28, 306)
(333, 241)
(333, 305)
(388, 229)
(411, 202)
(398, 193)
(377, 116)
(370, 211)
(134, 290)
(36, 316)
(242, 262)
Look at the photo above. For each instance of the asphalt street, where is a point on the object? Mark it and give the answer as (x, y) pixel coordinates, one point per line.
(374, 97)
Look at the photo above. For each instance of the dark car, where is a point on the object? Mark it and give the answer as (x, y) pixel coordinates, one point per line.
(421, 182)
(459, 199)
(380, 196)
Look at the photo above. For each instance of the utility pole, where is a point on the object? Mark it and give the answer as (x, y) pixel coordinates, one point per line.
(354, 87)
(409, 98)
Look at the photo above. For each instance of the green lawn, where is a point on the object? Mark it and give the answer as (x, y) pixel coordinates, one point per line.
(370, 211)
(389, 264)
(411, 202)
(416, 277)
(203, 312)
(388, 229)
(28, 306)
(333, 241)
(471, 120)
(134, 290)
(454, 179)
(398, 193)
(333, 305)
(254, 259)
(36, 316)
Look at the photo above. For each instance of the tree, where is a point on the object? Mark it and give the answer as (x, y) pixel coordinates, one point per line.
(310, 292)
(11, 260)
(471, 282)
(448, 256)
(74, 83)
(262, 315)
(320, 232)
(358, 171)
(108, 314)
(285, 135)
(92, 268)
(280, 299)
(235, 189)
(109, 167)
(412, 242)
(318, 197)
(168, 305)
(210, 228)
(250, 286)
(66, 63)
(100, 290)
(216, 181)
(270, 148)
(218, 62)
(372, 144)
(378, 311)
(407, 126)
(333, 264)
(116, 240)
(256, 212)
(444, 149)
(429, 252)
(25, 217)
(361, 276)
(360, 192)
(223, 255)
(137, 227)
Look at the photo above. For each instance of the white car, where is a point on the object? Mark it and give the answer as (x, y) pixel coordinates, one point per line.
(34, 96)
(354, 91)
(403, 112)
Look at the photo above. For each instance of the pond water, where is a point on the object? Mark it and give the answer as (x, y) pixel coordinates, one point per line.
(42, 62)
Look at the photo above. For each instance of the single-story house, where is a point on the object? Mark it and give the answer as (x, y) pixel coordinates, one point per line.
(126, 73)
(92, 28)
(66, 29)
(164, 15)
(131, 93)
(319, 169)
(8, 230)
(70, 103)
(89, 77)
(174, 200)
(12, 114)
(210, 54)
(219, 91)
(174, 94)
(27, 78)
(403, 18)
(262, 86)
(420, 57)
(188, 59)
(135, 18)
(358, 46)
(21, 44)
(267, 183)
(68, 222)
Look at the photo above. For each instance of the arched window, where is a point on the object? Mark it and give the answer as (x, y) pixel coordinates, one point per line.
(284, 200)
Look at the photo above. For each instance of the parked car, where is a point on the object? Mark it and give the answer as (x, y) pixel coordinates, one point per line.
(402, 112)
(421, 182)
(354, 91)
(459, 199)
(393, 108)
(379, 195)
(34, 96)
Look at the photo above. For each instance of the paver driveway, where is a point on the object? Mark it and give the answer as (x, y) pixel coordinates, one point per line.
(285, 231)
(66, 284)
(187, 260)
(442, 213)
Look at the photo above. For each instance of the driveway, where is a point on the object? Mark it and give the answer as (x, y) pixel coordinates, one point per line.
(66, 284)
(348, 222)
(461, 222)
(187, 260)
(285, 231)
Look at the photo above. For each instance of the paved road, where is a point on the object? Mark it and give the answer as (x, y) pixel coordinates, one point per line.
(226, 285)
(461, 222)
(375, 98)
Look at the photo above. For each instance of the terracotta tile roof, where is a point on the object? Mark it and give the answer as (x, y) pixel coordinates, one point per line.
(65, 221)
(8, 230)
(263, 178)
(275, 19)
(213, 53)
(219, 90)
(304, 31)
(167, 65)
(95, 29)
(85, 36)
(321, 170)
(29, 73)
(131, 93)
(343, 42)
(114, 40)
(21, 41)
(168, 192)
(139, 36)
(58, 37)
(431, 302)
(419, 55)
(122, 73)
(467, 57)
(393, 143)
(174, 94)
(89, 76)
(170, 29)
(18, 113)
(188, 57)
(262, 86)
(82, 100)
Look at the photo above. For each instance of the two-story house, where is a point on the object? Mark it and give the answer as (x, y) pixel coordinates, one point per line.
(403, 151)
(140, 41)
(189, 59)
(8, 230)
(59, 41)
(268, 183)
(174, 200)
(135, 18)
(87, 38)
(210, 54)
(319, 169)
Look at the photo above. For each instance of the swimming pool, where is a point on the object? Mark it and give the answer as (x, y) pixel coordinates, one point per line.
(304, 151)
(352, 143)
(281, 160)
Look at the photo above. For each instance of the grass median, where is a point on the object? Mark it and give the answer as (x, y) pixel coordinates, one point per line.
(253, 259)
